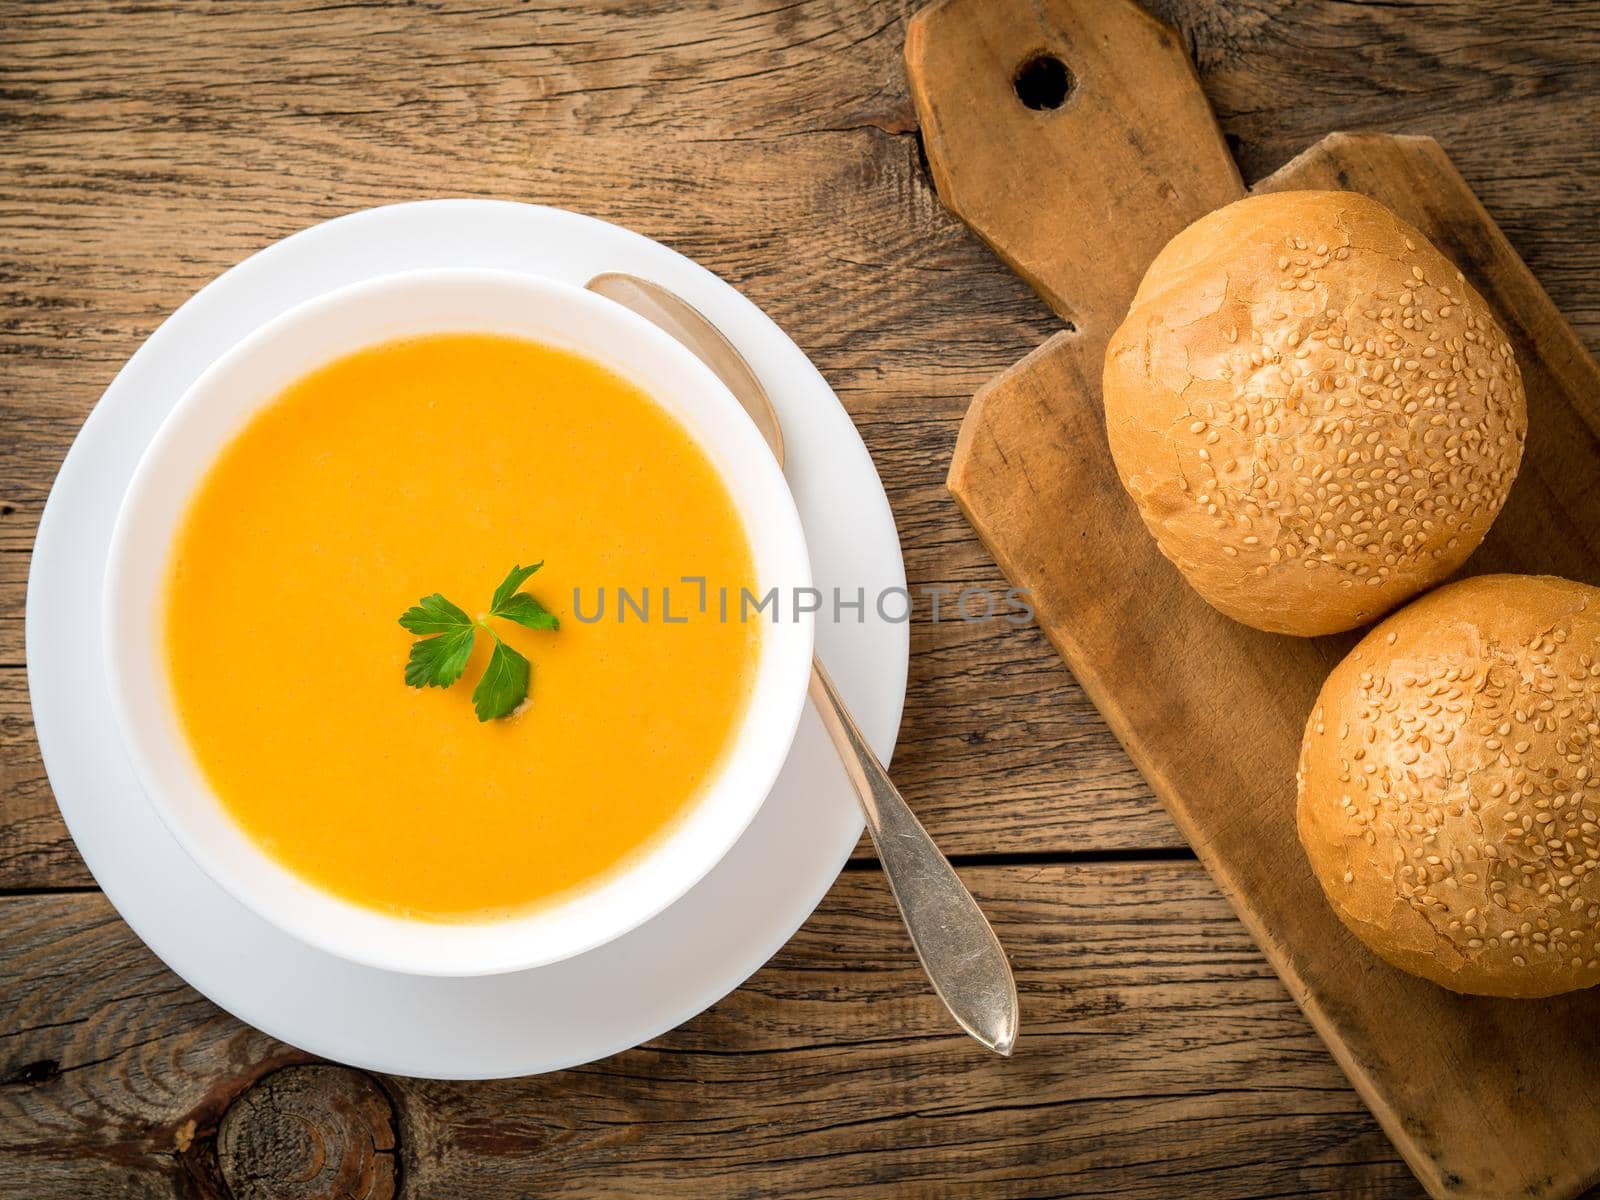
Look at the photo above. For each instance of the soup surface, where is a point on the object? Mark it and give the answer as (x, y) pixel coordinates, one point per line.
(435, 465)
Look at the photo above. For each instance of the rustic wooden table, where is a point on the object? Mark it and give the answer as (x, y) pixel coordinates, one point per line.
(149, 146)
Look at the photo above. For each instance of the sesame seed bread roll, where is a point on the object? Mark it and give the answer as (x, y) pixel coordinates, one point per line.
(1449, 787)
(1315, 413)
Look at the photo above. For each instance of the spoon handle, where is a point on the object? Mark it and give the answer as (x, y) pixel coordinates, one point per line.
(958, 950)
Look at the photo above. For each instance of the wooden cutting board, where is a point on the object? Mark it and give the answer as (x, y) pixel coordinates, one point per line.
(1485, 1098)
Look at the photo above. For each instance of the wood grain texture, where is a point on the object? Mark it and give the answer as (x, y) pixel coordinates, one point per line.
(1131, 133)
(1161, 1058)
(1213, 711)
(305, 1132)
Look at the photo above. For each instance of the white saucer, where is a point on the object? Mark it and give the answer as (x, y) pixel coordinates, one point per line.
(572, 1012)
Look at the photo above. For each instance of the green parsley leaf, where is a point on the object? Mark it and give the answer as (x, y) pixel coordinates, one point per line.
(504, 684)
(434, 614)
(439, 661)
(446, 631)
(518, 576)
(525, 610)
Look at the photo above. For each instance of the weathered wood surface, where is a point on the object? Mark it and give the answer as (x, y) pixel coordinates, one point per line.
(1161, 1059)
(144, 148)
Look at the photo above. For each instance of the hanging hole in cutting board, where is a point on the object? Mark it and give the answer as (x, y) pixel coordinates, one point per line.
(1043, 82)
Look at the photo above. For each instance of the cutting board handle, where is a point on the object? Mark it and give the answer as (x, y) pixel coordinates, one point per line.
(1071, 135)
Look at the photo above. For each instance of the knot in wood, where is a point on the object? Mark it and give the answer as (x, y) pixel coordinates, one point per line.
(315, 1132)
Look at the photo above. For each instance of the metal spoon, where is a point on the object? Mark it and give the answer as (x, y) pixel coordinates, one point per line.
(958, 950)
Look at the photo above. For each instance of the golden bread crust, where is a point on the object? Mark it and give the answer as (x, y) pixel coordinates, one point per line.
(1317, 416)
(1449, 787)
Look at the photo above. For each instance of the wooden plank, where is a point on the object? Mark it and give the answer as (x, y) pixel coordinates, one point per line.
(1210, 710)
(1160, 1057)
(1508, 89)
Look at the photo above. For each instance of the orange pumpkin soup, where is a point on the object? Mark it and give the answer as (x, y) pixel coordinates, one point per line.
(434, 465)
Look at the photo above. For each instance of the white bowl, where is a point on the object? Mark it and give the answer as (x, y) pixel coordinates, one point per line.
(221, 402)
